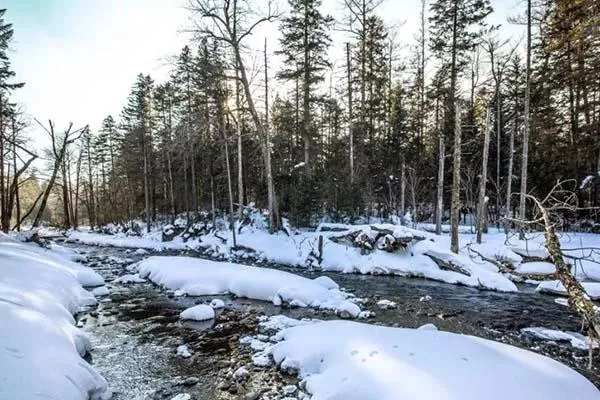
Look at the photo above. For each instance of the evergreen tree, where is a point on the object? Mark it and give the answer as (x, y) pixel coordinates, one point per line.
(304, 44)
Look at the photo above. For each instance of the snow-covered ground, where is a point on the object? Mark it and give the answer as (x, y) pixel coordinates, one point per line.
(40, 348)
(350, 360)
(197, 277)
(420, 259)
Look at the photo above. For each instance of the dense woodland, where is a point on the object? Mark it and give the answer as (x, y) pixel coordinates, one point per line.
(401, 124)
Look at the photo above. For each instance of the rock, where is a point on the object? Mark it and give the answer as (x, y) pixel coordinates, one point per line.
(182, 396)
(241, 374)
(252, 395)
(289, 389)
(190, 381)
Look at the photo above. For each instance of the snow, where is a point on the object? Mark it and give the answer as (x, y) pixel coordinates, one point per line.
(182, 396)
(41, 350)
(129, 279)
(197, 277)
(217, 303)
(100, 291)
(184, 351)
(241, 373)
(355, 361)
(536, 267)
(577, 340)
(296, 248)
(201, 312)
(386, 304)
(556, 287)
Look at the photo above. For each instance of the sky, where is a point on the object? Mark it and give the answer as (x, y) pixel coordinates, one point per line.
(79, 58)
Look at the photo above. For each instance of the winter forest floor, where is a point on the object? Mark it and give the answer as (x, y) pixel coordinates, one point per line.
(136, 329)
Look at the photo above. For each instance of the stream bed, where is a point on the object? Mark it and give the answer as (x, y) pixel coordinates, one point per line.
(136, 330)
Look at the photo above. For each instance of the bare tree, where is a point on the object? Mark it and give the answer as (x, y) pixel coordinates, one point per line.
(482, 200)
(59, 146)
(230, 22)
(455, 203)
(526, 120)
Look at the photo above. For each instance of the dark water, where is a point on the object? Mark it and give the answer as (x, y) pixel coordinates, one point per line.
(148, 317)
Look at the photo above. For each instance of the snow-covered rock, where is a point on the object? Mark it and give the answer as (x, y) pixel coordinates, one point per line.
(197, 277)
(354, 361)
(386, 304)
(100, 291)
(40, 348)
(201, 312)
(184, 351)
(129, 279)
(217, 303)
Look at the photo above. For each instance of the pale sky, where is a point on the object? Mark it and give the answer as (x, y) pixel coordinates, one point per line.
(79, 58)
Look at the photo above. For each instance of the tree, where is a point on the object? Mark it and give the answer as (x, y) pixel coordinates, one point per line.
(138, 122)
(526, 121)
(304, 45)
(58, 150)
(452, 40)
(227, 22)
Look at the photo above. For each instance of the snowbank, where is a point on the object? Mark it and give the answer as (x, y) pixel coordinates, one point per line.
(152, 241)
(354, 361)
(576, 339)
(197, 277)
(41, 350)
(299, 249)
(556, 287)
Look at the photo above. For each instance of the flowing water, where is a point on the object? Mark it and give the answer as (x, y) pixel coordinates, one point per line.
(136, 329)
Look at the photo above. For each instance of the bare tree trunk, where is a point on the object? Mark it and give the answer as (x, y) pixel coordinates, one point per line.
(402, 186)
(440, 178)
(229, 187)
(274, 214)
(16, 177)
(526, 122)
(350, 115)
(455, 206)
(240, 166)
(509, 175)
(482, 202)
(146, 183)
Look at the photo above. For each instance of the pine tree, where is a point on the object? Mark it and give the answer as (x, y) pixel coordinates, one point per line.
(304, 45)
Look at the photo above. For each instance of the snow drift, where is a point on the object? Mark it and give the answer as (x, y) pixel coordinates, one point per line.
(41, 350)
(198, 277)
(355, 361)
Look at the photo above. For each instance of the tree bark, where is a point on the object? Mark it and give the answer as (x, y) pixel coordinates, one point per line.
(482, 203)
(440, 178)
(455, 206)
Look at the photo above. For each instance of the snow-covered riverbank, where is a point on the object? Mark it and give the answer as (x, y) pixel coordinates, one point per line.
(41, 349)
(428, 256)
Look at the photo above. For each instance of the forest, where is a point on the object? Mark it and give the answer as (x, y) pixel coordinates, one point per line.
(309, 204)
(380, 134)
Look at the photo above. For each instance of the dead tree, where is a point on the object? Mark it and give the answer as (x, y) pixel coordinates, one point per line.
(482, 201)
(9, 185)
(547, 213)
(455, 203)
(59, 146)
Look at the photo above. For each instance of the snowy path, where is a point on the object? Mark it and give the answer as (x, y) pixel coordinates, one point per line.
(136, 333)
